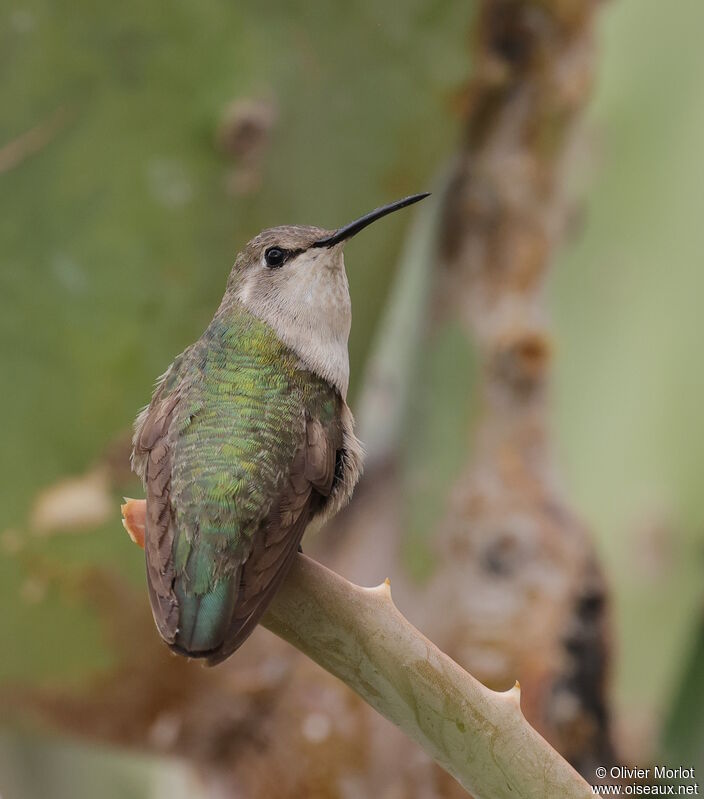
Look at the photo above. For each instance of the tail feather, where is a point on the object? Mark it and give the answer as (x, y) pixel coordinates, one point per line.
(204, 619)
(242, 626)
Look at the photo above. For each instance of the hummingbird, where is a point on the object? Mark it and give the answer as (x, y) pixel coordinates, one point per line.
(248, 438)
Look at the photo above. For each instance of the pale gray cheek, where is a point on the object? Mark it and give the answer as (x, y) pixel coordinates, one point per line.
(244, 294)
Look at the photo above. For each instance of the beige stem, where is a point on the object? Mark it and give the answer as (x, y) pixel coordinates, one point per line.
(476, 734)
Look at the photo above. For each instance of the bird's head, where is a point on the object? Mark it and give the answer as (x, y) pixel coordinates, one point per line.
(293, 278)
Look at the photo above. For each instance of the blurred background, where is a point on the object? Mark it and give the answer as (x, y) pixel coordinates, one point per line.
(542, 476)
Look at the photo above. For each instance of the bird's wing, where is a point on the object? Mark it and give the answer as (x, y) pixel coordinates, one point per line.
(151, 459)
(308, 484)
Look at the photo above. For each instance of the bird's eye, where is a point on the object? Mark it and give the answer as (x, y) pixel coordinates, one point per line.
(274, 257)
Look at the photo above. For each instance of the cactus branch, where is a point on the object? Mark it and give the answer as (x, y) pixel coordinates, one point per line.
(478, 735)
(357, 634)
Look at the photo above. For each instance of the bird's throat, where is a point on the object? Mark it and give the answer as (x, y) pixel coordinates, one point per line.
(308, 307)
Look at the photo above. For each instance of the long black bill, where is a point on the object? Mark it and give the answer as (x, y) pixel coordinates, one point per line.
(353, 228)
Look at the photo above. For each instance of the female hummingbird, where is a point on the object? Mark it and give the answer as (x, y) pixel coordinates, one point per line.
(248, 438)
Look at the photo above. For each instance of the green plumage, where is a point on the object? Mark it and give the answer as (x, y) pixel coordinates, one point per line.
(239, 402)
(238, 425)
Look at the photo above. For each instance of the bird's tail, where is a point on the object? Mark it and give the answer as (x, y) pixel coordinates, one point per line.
(205, 619)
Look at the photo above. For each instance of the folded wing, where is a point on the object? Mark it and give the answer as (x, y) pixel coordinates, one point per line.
(220, 537)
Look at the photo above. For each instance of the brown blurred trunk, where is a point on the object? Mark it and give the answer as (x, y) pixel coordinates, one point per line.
(533, 605)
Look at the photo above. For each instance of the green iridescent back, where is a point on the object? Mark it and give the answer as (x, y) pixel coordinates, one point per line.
(234, 435)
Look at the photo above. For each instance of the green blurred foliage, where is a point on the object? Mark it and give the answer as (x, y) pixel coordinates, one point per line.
(117, 236)
(57, 769)
(683, 738)
(434, 448)
(627, 304)
(67, 770)
(116, 239)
